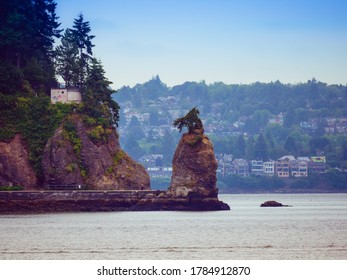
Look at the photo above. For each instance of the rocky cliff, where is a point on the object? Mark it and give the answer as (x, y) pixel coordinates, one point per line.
(193, 186)
(60, 163)
(81, 153)
(194, 166)
(15, 168)
(92, 156)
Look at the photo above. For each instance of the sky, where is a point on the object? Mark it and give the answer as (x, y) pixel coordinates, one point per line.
(230, 41)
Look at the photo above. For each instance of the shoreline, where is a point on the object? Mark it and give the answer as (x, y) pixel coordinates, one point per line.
(103, 201)
(286, 192)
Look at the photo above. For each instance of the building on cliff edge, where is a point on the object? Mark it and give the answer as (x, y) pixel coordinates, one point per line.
(66, 95)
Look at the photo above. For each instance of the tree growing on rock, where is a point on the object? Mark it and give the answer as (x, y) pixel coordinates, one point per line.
(74, 56)
(76, 65)
(191, 121)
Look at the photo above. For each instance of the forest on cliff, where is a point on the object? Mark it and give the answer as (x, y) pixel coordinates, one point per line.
(34, 51)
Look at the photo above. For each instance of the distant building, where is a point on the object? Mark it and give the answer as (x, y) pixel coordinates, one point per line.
(298, 168)
(269, 168)
(277, 119)
(66, 95)
(287, 157)
(317, 164)
(282, 167)
(307, 159)
(159, 172)
(151, 160)
(241, 167)
(225, 164)
(256, 167)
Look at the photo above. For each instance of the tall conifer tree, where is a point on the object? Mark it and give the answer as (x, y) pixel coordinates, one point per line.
(27, 32)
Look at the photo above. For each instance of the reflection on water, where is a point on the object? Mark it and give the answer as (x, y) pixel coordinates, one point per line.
(314, 228)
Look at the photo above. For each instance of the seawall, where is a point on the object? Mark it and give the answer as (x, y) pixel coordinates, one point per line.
(93, 201)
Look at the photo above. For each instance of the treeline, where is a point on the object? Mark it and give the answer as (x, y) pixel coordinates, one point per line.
(301, 101)
(252, 107)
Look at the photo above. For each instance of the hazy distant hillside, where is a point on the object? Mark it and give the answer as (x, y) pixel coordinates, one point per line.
(305, 100)
(301, 119)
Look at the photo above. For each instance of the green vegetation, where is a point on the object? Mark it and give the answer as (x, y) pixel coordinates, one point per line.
(35, 119)
(70, 134)
(27, 33)
(120, 155)
(28, 67)
(191, 121)
(259, 120)
(99, 134)
(11, 188)
(71, 167)
(78, 68)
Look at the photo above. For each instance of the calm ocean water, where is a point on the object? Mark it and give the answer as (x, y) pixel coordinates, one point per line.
(314, 228)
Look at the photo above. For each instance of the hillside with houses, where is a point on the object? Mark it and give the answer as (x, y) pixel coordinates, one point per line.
(273, 130)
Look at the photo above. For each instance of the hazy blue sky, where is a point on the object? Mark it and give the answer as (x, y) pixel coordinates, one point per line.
(233, 41)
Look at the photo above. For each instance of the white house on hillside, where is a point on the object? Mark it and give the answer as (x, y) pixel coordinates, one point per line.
(66, 95)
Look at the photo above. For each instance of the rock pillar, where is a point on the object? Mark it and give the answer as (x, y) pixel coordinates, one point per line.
(194, 167)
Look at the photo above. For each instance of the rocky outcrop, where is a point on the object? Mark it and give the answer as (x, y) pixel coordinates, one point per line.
(94, 201)
(101, 165)
(15, 169)
(60, 163)
(194, 174)
(119, 183)
(272, 203)
(78, 154)
(194, 167)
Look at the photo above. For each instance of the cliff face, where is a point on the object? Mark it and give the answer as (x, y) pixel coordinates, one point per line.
(59, 163)
(194, 167)
(100, 165)
(71, 157)
(14, 165)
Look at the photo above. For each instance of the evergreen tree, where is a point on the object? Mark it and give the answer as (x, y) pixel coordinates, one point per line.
(74, 55)
(133, 148)
(240, 147)
(81, 30)
(77, 67)
(66, 59)
(27, 32)
(83, 39)
(289, 118)
(317, 144)
(290, 145)
(270, 139)
(97, 94)
(135, 130)
(191, 121)
(250, 148)
(260, 148)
